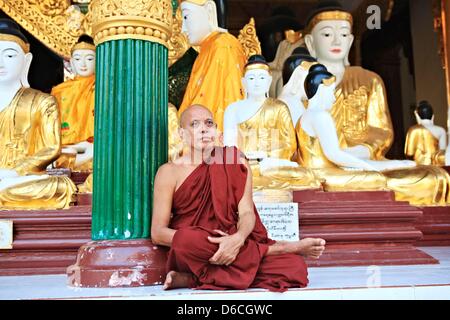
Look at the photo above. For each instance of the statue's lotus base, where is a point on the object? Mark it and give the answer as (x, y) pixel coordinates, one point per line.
(134, 263)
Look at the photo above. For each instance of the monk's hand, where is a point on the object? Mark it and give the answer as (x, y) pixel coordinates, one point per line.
(229, 247)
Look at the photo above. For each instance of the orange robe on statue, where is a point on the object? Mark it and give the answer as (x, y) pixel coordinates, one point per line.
(215, 80)
(207, 200)
(76, 102)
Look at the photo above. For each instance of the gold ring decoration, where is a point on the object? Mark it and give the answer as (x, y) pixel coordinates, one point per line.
(329, 15)
(9, 37)
(149, 20)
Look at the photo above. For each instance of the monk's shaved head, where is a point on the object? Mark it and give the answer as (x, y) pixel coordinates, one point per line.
(187, 114)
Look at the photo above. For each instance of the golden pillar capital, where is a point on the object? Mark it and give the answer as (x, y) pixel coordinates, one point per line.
(131, 19)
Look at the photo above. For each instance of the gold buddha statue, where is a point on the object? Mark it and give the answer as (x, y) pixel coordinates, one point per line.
(361, 112)
(426, 142)
(262, 129)
(29, 132)
(341, 170)
(76, 103)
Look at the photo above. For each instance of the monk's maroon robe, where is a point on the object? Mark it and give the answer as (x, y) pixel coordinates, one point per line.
(207, 200)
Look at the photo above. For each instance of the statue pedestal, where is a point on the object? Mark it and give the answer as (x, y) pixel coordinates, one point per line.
(45, 242)
(121, 263)
(361, 228)
(435, 226)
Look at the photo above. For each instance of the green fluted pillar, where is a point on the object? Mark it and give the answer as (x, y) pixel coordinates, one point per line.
(131, 103)
(130, 136)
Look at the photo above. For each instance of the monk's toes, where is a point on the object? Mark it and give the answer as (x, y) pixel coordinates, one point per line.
(320, 242)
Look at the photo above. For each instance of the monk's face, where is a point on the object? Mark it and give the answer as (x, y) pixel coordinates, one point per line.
(12, 62)
(83, 62)
(198, 129)
(331, 40)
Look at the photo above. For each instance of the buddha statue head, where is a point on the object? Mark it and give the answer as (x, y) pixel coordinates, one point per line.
(319, 87)
(15, 56)
(257, 78)
(424, 111)
(329, 35)
(295, 70)
(83, 57)
(199, 19)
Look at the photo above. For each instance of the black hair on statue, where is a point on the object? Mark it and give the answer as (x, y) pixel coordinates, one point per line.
(317, 73)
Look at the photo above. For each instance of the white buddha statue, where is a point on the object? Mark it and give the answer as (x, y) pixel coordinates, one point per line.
(342, 171)
(261, 127)
(361, 111)
(295, 71)
(29, 132)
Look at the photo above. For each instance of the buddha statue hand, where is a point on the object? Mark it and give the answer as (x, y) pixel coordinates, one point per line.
(8, 173)
(270, 163)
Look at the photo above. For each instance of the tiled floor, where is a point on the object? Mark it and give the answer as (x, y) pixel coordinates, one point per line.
(387, 282)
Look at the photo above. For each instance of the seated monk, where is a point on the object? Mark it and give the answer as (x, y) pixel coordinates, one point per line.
(262, 128)
(320, 150)
(203, 210)
(29, 132)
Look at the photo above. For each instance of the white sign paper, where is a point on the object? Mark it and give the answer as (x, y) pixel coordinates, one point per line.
(6, 234)
(280, 220)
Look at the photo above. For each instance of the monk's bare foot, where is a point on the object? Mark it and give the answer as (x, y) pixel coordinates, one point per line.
(309, 247)
(176, 280)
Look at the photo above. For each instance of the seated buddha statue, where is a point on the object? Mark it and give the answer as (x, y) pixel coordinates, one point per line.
(29, 132)
(215, 80)
(76, 103)
(320, 150)
(295, 70)
(426, 142)
(261, 127)
(361, 111)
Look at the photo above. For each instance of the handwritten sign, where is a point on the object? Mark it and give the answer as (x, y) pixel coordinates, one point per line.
(280, 220)
(6, 234)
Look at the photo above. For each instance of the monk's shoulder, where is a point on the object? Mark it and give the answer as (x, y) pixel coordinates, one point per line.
(167, 172)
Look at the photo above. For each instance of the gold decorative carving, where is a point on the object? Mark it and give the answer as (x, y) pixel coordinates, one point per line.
(56, 23)
(178, 43)
(249, 40)
(131, 19)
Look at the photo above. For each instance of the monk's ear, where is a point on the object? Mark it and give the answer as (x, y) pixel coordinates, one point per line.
(309, 41)
(181, 133)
